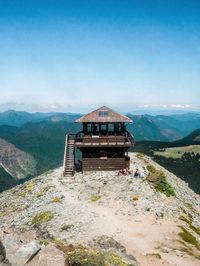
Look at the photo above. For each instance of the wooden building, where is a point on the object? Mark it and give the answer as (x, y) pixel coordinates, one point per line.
(103, 142)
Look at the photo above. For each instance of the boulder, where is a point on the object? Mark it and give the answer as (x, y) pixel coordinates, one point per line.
(25, 253)
(2, 252)
(48, 256)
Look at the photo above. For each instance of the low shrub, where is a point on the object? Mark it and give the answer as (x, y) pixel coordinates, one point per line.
(151, 169)
(2, 213)
(83, 256)
(65, 227)
(157, 255)
(42, 217)
(164, 187)
(95, 197)
(159, 180)
(28, 188)
(56, 200)
(42, 191)
(188, 237)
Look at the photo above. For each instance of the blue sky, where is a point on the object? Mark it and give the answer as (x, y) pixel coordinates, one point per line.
(78, 55)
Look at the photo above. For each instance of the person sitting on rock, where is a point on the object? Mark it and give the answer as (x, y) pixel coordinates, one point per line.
(137, 173)
(125, 171)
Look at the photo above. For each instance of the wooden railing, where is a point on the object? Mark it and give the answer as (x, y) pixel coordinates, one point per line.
(108, 139)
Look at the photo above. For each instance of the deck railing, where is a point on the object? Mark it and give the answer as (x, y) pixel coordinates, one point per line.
(108, 139)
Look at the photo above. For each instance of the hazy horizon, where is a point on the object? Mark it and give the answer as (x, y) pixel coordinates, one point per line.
(79, 55)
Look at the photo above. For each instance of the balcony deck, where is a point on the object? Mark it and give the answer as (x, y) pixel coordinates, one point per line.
(82, 140)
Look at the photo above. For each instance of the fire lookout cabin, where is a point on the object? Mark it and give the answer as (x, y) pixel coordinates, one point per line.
(103, 142)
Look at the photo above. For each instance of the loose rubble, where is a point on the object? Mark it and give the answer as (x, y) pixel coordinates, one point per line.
(92, 205)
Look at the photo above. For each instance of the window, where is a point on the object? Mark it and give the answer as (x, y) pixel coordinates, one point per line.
(89, 128)
(103, 113)
(111, 127)
(103, 129)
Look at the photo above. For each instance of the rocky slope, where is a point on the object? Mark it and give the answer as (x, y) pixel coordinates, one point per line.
(15, 162)
(120, 220)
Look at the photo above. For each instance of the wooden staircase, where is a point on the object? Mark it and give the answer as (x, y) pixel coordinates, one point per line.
(68, 165)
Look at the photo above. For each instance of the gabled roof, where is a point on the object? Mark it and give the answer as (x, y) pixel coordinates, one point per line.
(103, 115)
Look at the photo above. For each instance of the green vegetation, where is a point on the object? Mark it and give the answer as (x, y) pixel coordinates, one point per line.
(164, 187)
(96, 197)
(28, 188)
(159, 181)
(157, 255)
(180, 157)
(178, 152)
(56, 200)
(42, 191)
(184, 219)
(151, 169)
(84, 256)
(2, 214)
(189, 222)
(42, 217)
(44, 242)
(188, 237)
(66, 227)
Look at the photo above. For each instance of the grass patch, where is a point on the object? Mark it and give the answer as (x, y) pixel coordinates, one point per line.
(2, 214)
(42, 191)
(28, 188)
(164, 187)
(42, 217)
(188, 237)
(79, 255)
(44, 242)
(184, 219)
(157, 255)
(56, 200)
(66, 227)
(95, 197)
(189, 222)
(159, 181)
(151, 169)
(195, 229)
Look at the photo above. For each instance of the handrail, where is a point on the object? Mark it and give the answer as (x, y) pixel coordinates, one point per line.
(127, 138)
(64, 160)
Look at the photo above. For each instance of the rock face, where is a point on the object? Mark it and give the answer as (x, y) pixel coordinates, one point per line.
(25, 253)
(49, 256)
(123, 214)
(2, 252)
(15, 162)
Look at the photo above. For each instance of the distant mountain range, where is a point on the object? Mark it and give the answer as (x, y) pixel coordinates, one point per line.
(145, 127)
(19, 118)
(41, 136)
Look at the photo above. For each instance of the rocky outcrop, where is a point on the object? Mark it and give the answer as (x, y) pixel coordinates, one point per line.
(15, 162)
(129, 216)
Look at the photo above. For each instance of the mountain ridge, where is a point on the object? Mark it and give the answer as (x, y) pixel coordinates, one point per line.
(146, 127)
(105, 212)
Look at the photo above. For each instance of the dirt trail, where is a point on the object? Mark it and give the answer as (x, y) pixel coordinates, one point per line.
(142, 235)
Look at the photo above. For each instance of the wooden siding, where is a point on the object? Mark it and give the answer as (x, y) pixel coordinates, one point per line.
(97, 164)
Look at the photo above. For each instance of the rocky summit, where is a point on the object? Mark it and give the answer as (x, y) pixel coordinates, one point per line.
(101, 218)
